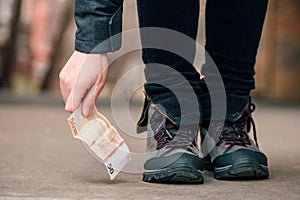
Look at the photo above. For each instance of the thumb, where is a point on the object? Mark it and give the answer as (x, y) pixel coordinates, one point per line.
(89, 100)
(74, 99)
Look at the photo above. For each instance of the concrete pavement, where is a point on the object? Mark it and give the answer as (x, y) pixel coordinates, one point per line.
(41, 160)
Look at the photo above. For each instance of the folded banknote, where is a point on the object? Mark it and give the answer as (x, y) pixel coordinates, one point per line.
(101, 138)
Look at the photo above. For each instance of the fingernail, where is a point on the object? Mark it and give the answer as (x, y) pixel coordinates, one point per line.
(67, 108)
(86, 111)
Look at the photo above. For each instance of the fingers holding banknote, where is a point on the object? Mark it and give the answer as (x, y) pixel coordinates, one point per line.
(82, 79)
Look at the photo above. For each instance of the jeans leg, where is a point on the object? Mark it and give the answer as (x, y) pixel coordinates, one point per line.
(233, 32)
(182, 17)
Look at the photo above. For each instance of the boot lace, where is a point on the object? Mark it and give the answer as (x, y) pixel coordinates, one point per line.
(236, 133)
(168, 136)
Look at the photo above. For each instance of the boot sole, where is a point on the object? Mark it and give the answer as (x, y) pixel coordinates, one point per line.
(245, 169)
(177, 175)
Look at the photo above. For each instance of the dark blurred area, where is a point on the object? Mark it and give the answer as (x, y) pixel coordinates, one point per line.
(37, 37)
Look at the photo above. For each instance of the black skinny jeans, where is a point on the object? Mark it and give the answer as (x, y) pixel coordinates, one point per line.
(233, 31)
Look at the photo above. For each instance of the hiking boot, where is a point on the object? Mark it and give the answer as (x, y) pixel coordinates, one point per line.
(235, 155)
(173, 153)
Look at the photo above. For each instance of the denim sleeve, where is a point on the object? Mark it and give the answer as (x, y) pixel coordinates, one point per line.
(97, 21)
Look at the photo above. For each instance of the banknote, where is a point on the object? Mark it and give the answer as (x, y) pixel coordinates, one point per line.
(102, 139)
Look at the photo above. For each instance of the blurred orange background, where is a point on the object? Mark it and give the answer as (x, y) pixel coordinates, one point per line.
(37, 37)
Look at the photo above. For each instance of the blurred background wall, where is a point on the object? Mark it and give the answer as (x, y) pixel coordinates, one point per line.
(37, 37)
(31, 42)
(278, 61)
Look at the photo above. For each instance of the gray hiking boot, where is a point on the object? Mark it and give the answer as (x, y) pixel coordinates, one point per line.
(174, 153)
(235, 155)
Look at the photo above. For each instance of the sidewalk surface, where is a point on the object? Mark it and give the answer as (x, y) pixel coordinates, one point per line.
(41, 160)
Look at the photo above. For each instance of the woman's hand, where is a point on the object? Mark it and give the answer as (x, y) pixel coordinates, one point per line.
(82, 79)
